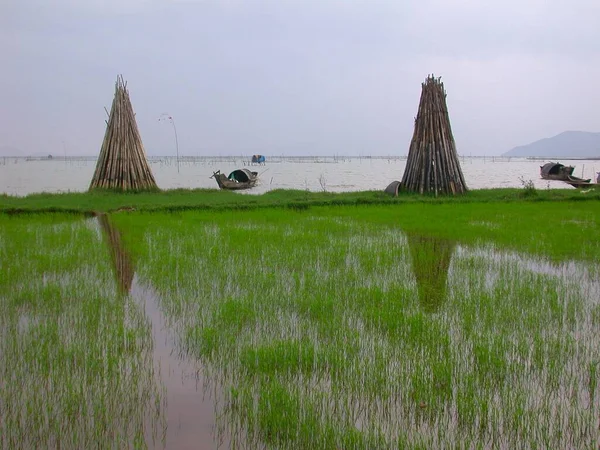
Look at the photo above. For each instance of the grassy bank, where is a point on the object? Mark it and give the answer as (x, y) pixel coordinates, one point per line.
(183, 199)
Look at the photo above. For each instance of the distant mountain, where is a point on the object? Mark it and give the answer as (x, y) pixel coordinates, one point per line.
(574, 144)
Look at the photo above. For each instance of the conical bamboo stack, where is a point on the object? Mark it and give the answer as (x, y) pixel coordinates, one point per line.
(122, 163)
(432, 165)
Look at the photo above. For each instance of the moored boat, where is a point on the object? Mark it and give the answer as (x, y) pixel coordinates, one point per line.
(556, 171)
(238, 179)
(580, 182)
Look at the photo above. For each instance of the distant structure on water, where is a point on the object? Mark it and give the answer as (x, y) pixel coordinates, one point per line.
(258, 159)
(122, 164)
(432, 165)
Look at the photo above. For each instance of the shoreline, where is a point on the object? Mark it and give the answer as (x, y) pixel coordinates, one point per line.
(175, 200)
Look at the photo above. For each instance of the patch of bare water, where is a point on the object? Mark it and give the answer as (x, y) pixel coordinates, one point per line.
(189, 402)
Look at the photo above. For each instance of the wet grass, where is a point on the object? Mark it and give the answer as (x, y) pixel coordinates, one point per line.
(211, 199)
(76, 367)
(382, 326)
(555, 230)
(413, 326)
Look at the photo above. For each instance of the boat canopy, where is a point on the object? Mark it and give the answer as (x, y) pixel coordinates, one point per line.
(555, 169)
(240, 175)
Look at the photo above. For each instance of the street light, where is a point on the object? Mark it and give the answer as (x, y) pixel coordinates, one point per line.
(166, 117)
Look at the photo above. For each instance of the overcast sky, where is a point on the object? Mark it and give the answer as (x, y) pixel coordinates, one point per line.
(295, 77)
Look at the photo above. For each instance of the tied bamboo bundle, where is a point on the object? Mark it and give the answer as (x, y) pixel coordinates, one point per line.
(122, 163)
(432, 165)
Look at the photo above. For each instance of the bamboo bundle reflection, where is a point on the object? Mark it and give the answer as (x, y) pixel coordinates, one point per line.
(122, 263)
(430, 261)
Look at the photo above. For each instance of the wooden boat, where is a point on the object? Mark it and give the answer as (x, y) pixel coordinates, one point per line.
(238, 179)
(580, 182)
(556, 171)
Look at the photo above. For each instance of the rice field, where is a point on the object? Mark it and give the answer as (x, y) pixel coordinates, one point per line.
(76, 367)
(415, 326)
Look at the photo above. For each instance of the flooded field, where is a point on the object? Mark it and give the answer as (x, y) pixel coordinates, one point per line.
(19, 176)
(327, 328)
(75, 353)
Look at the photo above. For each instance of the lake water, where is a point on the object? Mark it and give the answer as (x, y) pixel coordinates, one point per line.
(23, 176)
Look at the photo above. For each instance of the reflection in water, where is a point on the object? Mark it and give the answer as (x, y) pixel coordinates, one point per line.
(189, 410)
(122, 264)
(431, 258)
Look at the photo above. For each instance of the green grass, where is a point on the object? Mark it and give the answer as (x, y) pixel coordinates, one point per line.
(210, 199)
(330, 327)
(435, 323)
(76, 367)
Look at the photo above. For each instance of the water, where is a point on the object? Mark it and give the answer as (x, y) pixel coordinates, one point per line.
(189, 404)
(190, 409)
(21, 176)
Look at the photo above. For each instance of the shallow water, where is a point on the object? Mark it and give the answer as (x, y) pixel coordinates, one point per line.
(190, 411)
(188, 403)
(19, 176)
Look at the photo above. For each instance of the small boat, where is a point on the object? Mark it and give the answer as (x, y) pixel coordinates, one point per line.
(580, 182)
(556, 171)
(238, 179)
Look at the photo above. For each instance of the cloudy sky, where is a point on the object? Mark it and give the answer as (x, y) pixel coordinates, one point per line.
(295, 76)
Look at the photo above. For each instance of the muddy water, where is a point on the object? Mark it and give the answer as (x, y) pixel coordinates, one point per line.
(187, 403)
(190, 405)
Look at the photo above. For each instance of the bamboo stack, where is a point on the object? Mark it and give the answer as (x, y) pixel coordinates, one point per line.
(432, 165)
(122, 163)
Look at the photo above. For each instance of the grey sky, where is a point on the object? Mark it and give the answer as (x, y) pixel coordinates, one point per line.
(296, 77)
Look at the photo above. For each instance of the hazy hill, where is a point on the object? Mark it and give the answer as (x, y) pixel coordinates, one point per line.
(575, 144)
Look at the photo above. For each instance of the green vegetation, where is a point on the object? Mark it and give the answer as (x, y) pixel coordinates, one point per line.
(325, 329)
(210, 199)
(378, 323)
(76, 367)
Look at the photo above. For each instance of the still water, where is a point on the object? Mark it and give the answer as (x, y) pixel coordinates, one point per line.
(22, 176)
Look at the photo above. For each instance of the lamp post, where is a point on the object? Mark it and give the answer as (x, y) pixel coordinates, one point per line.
(166, 117)
(65, 151)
